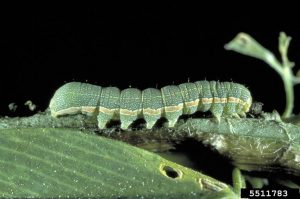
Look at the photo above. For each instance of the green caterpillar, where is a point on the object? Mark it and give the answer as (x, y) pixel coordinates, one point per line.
(109, 103)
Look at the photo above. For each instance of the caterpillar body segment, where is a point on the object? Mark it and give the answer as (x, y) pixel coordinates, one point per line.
(205, 96)
(130, 106)
(222, 99)
(152, 106)
(109, 105)
(173, 104)
(190, 98)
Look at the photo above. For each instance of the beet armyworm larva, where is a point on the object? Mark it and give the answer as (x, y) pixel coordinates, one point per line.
(222, 99)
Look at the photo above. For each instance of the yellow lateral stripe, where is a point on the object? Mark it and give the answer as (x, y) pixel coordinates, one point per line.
(74, 110)
(71, 110)
(178, 107)
(107, 110)
(233, 100)
(149, 111)
(88, 109)
(220, 100)
(206, 100)
(130, 112)
(192, 103)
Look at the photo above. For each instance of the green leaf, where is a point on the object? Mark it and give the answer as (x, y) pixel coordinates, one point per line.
(245, 44)
(48, 162)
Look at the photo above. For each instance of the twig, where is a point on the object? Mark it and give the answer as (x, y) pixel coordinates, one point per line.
(245, 44)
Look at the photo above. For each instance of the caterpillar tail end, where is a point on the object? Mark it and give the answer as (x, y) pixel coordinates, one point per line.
(53, 113)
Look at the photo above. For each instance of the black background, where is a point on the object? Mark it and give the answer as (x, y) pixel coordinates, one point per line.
(135, 45)
(139, 46)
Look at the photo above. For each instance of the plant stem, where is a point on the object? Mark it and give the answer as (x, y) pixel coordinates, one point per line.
(245, 44)
(287, 77)
(289, 92)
